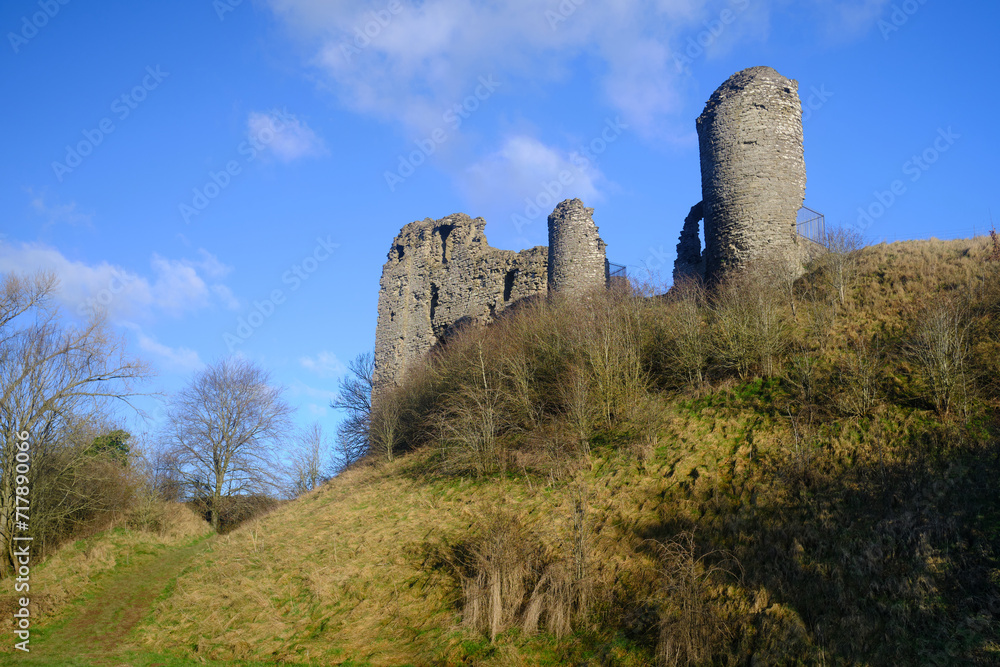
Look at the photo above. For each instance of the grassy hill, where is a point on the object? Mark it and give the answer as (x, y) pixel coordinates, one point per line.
(763, 475)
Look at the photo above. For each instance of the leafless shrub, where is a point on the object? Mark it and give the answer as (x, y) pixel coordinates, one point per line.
(354, 398)
(802, 372)
(610, 341)
(386, 427)
(691, 628)
(749, 322)
(940, 347)
(472, 422)
(803, 447)
(689, 348)
(840, 261)
(516, 340)
(578, 407)
(308, 460)
(77, 490)
(861, 377)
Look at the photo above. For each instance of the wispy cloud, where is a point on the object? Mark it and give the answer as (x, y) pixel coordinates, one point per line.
(176, 359)
(54, 213)
(174, 286)
(524, 166)
(851, 18)
(405, 62)
(287, 137)
(316, 410)
(325, 365)
(408, 65)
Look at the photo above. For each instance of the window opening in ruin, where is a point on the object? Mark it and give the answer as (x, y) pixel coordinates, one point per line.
(445, 230)
(399, 252)
(508, 285)
(434, 300)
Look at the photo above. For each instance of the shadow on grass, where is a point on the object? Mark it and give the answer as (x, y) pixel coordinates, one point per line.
(886, 558)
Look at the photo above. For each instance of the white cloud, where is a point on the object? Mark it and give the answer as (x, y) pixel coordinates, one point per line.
(524, 167)
(412, 65)
(284, 135)
(320, 398)
(851, 18)
(179, 359)
(211, 264)
(176, 286)
(226, 296)
(325, 365)
(316, 410)
(58, 213)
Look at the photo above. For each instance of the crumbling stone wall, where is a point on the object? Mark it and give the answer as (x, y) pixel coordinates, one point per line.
(440, 273)
(577, 260)
(690, 261)
(753, 173)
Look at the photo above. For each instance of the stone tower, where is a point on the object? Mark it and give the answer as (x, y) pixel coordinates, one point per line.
(577, 260)
(753, 173)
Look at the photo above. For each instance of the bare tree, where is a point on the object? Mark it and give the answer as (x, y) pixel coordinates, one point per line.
(841, 259)
(386, 434)
(224, 431)
(941, 347)
(473, 420)
(308, 468)
(355, 399)
(52, 374)
(861, 376)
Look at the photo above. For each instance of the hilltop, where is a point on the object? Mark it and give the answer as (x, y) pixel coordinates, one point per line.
(784, 471)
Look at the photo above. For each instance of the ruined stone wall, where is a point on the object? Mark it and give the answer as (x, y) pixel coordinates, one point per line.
(443, 272)
(753, 172)
(577, 261)
(690, 262)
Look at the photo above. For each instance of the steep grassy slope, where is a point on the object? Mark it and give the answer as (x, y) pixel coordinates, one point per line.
(822, 513)
(66, 583)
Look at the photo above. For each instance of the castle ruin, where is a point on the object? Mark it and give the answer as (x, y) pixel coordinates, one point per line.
(443, 273)
(753, 176)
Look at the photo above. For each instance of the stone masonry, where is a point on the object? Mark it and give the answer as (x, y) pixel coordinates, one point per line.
(443, 273)
(577, 260)
(690, 261)
(753, 173)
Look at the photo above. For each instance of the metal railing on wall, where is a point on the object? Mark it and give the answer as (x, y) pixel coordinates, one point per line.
(617, 270)
(811, 224)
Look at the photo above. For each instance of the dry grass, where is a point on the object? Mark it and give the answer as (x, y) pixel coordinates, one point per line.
(365, 567)
(75, 566)
(800, 521)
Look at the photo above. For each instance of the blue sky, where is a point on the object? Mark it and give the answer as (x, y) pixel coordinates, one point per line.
(228, 175)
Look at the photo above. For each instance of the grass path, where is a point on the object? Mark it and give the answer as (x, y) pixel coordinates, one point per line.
(97, 633)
